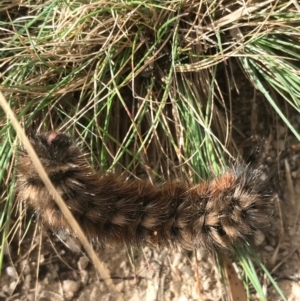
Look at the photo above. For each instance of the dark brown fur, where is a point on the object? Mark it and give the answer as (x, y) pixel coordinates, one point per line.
(112, 210)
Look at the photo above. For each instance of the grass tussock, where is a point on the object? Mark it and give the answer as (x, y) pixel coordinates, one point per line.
(151, 87)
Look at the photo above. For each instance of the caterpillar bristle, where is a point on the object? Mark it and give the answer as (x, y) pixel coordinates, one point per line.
(112, 210)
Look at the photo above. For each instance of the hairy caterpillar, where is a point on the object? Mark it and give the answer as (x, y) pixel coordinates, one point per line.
(110, 209)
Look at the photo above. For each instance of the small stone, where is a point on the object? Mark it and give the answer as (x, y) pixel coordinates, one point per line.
(284, 254)
(11, 271)
(269, 248)
(12, 286)
(25, 267)
(70, 287)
